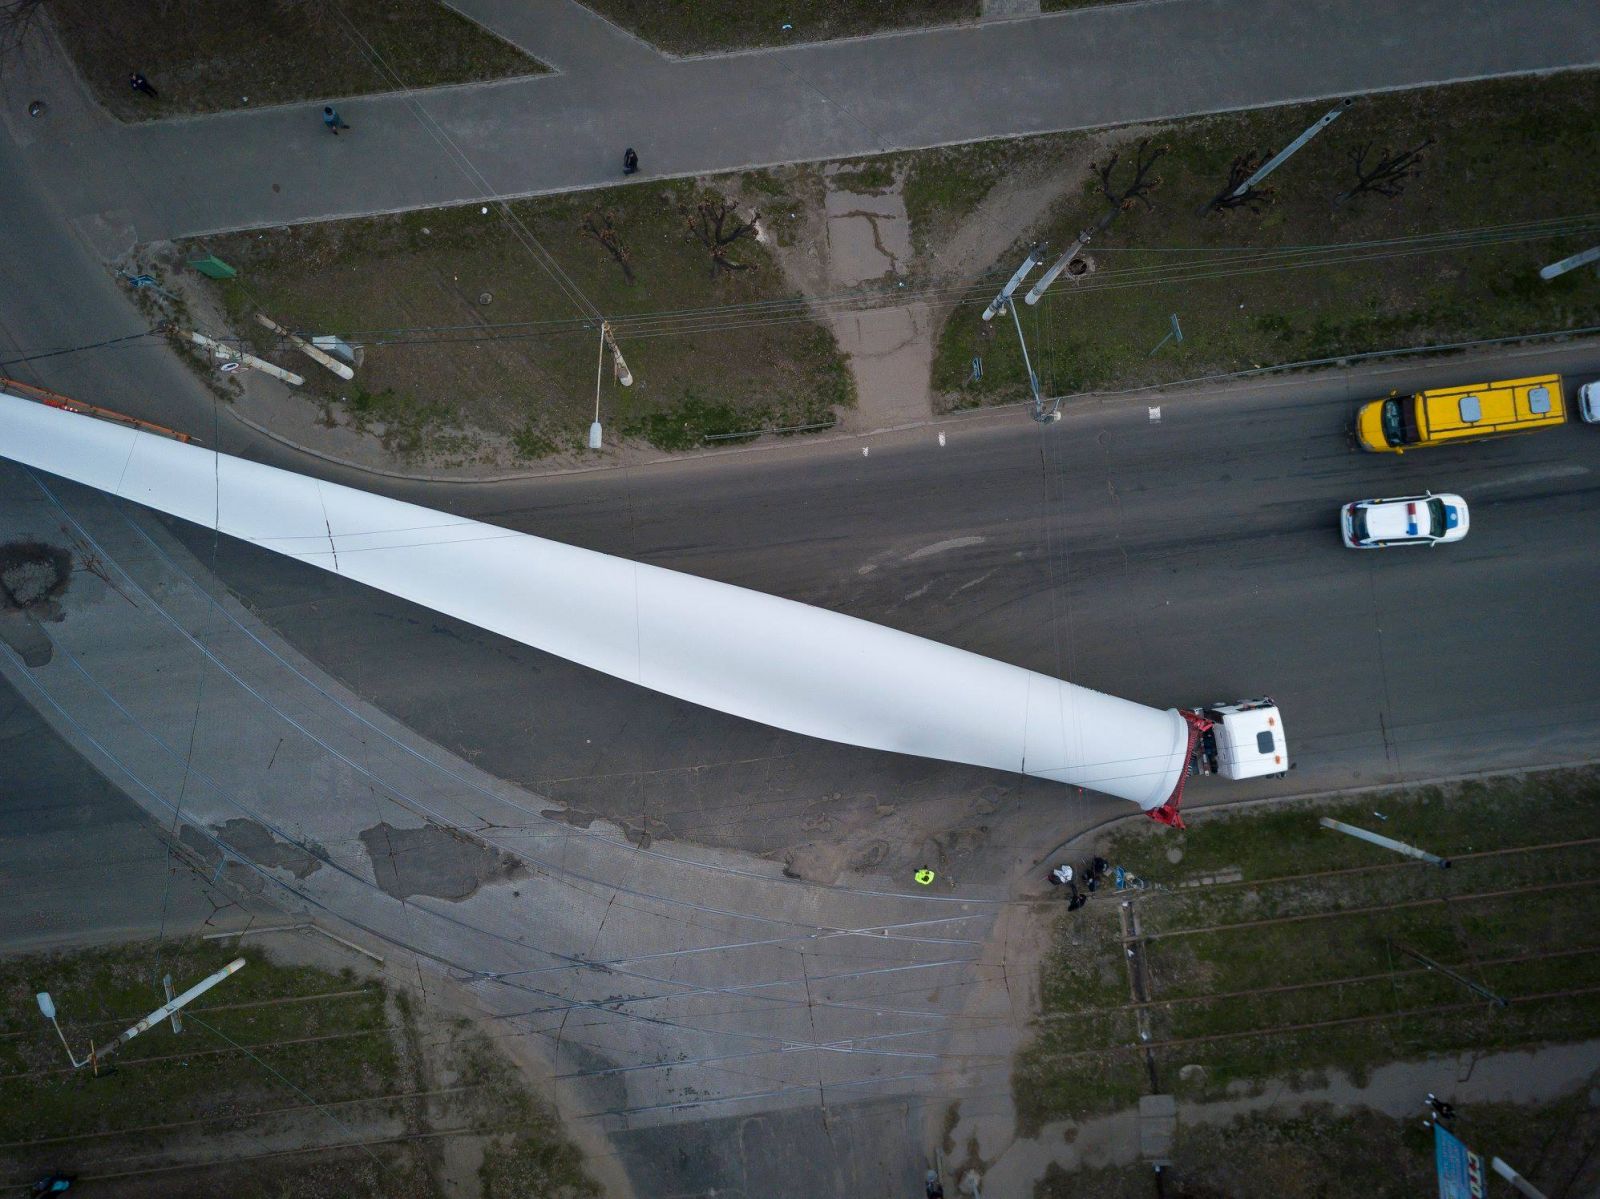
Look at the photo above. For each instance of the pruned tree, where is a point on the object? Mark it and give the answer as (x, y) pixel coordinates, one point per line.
(1387, 176)
(601, 226)
(18, 18)
(1253, 198)
(715, 223)
(1139, 188)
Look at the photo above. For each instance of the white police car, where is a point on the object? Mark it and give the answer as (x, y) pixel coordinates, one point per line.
(1407, 520)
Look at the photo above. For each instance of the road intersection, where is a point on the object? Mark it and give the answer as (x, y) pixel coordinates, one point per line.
(605, 870)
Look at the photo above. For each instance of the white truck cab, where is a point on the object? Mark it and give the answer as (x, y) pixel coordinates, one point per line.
(1245, 740)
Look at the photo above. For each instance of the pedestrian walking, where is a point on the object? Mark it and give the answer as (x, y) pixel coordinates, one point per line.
(332, 119)
(630, 161)
(1060, 875)
(932, 1187)
(140, 84)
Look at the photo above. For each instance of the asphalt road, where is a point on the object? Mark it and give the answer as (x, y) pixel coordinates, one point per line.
(1176, 562)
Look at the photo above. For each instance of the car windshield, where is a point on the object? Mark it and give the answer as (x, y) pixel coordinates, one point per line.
(1358, 524)
(1397, 428)
(1391, 421)
(1436, 521)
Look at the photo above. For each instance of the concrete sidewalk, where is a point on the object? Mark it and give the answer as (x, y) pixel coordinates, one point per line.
(554, 133)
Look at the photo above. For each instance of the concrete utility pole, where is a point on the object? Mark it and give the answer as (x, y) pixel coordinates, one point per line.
(1283, 155)
(1516, 1180)
(1582, 258)
(1035, 257)
(311, 351)
(1049, 277)
(1411, 851)
(227, 354)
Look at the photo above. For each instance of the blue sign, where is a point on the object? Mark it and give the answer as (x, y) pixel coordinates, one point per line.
(1460, 1169)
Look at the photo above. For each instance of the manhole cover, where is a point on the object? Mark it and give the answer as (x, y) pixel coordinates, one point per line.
(486, 298)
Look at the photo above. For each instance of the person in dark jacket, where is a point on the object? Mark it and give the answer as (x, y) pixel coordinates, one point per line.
(140, 84)
(630, 161)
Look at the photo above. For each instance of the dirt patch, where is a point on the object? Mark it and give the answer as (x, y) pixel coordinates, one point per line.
(33, 578)
(444, 863)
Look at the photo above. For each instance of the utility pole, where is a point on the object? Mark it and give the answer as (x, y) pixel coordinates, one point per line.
(1283, 155)
(1520, 1183)
(305, 347)
(1003, 301)
(1411, 851)
(1060, 264)
(619, 371)
(238, 358)
(1582, 258)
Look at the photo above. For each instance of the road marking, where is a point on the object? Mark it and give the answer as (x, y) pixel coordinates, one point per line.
(940, 547)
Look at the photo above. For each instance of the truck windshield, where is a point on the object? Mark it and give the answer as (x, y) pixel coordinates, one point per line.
(1397, 430)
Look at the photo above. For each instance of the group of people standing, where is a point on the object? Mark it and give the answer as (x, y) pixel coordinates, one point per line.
(1065, 875)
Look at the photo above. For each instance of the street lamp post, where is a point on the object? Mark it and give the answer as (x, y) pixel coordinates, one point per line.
(1007, 300)
(48, 1007)
(170, 1008)
(619, 369)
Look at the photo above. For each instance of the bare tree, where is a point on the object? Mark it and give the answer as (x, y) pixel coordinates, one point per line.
(1387, 176)
(602, 228)
(1138, 189)
(18, 18)
(1121, 199)
(1253, 198)
(715, 223)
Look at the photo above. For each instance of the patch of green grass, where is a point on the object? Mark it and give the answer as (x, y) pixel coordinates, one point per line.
(462, 325)
(207, 57)
(705, 26)
(268, 1039)
(1346, 966)
(100, 993)
(1483, 814)
(873, 177)
(1491, 138)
